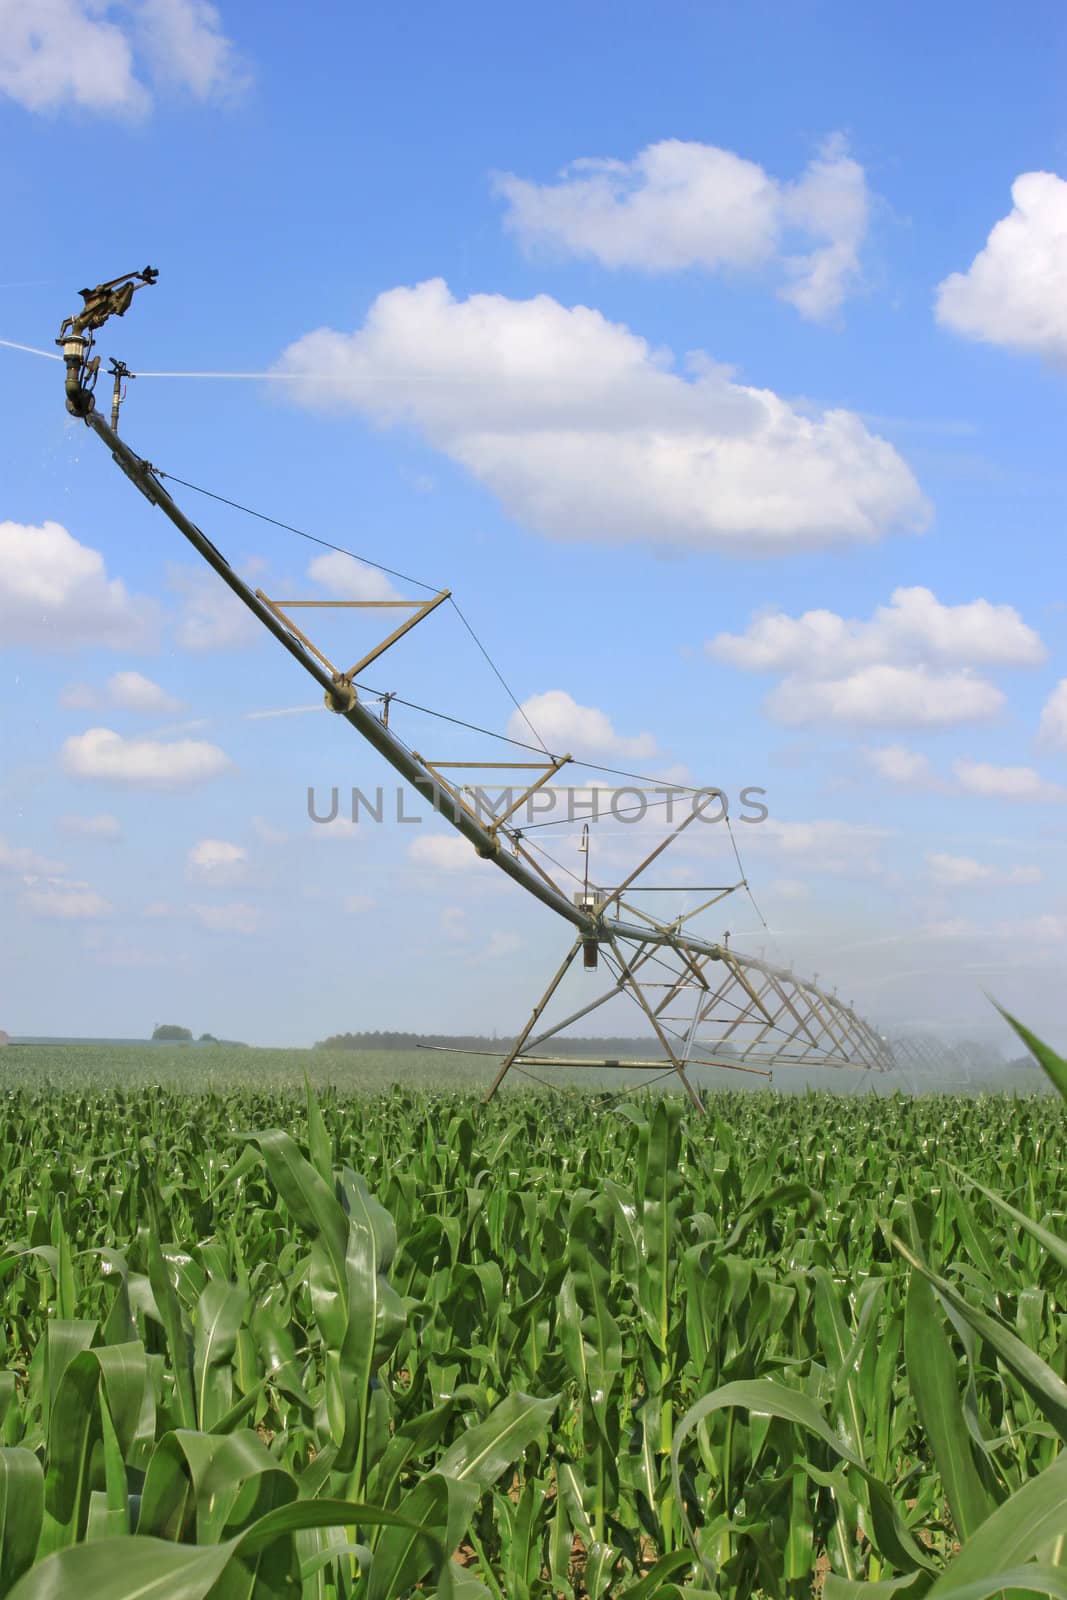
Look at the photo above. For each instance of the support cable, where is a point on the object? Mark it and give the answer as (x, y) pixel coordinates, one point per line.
(289, 528)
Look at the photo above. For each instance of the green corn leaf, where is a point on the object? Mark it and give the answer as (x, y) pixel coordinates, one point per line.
(932, 1375)
(436, 1510)
(1051, 1581)
(217, 1320)
(490, 1447)
(1054, 1066)
(155, 1569)
(320, 1145)
(21, 1513)
(125, 1569)
(835, 1588)
(1049, 1241)
(1048, 1391)
(764, 1396)
(1024, 1527)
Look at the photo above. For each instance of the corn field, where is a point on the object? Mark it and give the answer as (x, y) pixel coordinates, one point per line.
(260, 1345)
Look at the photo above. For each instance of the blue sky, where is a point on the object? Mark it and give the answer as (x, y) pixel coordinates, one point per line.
(650, 332)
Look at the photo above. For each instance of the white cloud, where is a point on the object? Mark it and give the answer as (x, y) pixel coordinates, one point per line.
(585, 432)
(1012, 293)
(1052, 729)
(886, 671)
(103, 754)
(26, 863)
(211, 617)
(565, 726)
(137, 693)
(266, 833)
(73, 902)
(96, 53)
(914, 627)
(350, 579)
(184, 42)
(55, 594)
(501, 943)
(339, 827)
(885, 696)
(443, 852)
(130, 690)
(961, 872)
(216, 861)
(233, 917)
(1006, 783)
(909, 768)
(102, 826)
(237, 917)
(826, 845)
(681, 204)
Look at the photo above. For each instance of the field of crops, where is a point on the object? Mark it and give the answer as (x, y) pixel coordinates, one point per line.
(328, 1347)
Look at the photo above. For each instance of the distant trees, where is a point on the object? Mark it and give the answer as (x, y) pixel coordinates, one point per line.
(170, 1033)
(391, 1040)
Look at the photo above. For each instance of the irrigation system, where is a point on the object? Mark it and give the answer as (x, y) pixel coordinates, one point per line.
(704, 1003)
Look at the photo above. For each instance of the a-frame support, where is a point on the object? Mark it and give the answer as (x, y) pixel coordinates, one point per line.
(674, 1061)
(344, 680)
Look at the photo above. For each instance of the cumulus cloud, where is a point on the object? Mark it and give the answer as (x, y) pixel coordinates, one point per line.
(230, 917)
(26, 863)
(1012, 292)
(888, 670)
(130, 690)
(914, 626)
(1006, 783)
(680, 204)
(135, 692)
(66, 902)
(236, 917)
(337, 828)
(101, 754)
(350, 579)
(583, 431)
(886, 696)
(566, 726)
(98, 54)
(908, 768)
(826, 845)
(443, 852)
(963, 872)
(1052, 729)
(216, 861)
(55, 594)
(101, 826)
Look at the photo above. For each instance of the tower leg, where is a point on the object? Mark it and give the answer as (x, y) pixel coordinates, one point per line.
(638, 993)
(538, 1009)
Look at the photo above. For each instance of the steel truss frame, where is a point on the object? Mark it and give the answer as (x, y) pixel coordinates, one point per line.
(772, 1016)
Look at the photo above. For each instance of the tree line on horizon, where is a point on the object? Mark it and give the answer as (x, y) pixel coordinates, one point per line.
(392, 1039)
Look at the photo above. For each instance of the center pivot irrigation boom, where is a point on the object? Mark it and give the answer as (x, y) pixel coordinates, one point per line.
(706, 1004)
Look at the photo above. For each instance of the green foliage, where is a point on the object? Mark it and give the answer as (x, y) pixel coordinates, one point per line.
(275, 1343)
(170, 1033)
